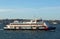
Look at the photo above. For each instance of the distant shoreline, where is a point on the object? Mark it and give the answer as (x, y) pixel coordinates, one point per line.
(7, 21)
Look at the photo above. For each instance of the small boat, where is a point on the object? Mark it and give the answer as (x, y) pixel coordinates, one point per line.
(54, 22)
(35, 24)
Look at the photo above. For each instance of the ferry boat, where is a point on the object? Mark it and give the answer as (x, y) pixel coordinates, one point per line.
(35, 24)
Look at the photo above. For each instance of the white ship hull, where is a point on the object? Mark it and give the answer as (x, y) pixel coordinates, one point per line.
(24, 27)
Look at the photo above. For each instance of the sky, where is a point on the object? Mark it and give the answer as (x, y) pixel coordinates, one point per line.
(45, 9)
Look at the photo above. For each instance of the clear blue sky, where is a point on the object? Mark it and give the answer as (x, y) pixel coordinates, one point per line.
(46, 9)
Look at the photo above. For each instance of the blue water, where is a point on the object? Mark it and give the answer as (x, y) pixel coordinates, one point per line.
(27, 34)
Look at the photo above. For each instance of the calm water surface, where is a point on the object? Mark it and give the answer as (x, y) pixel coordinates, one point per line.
(26, 34)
